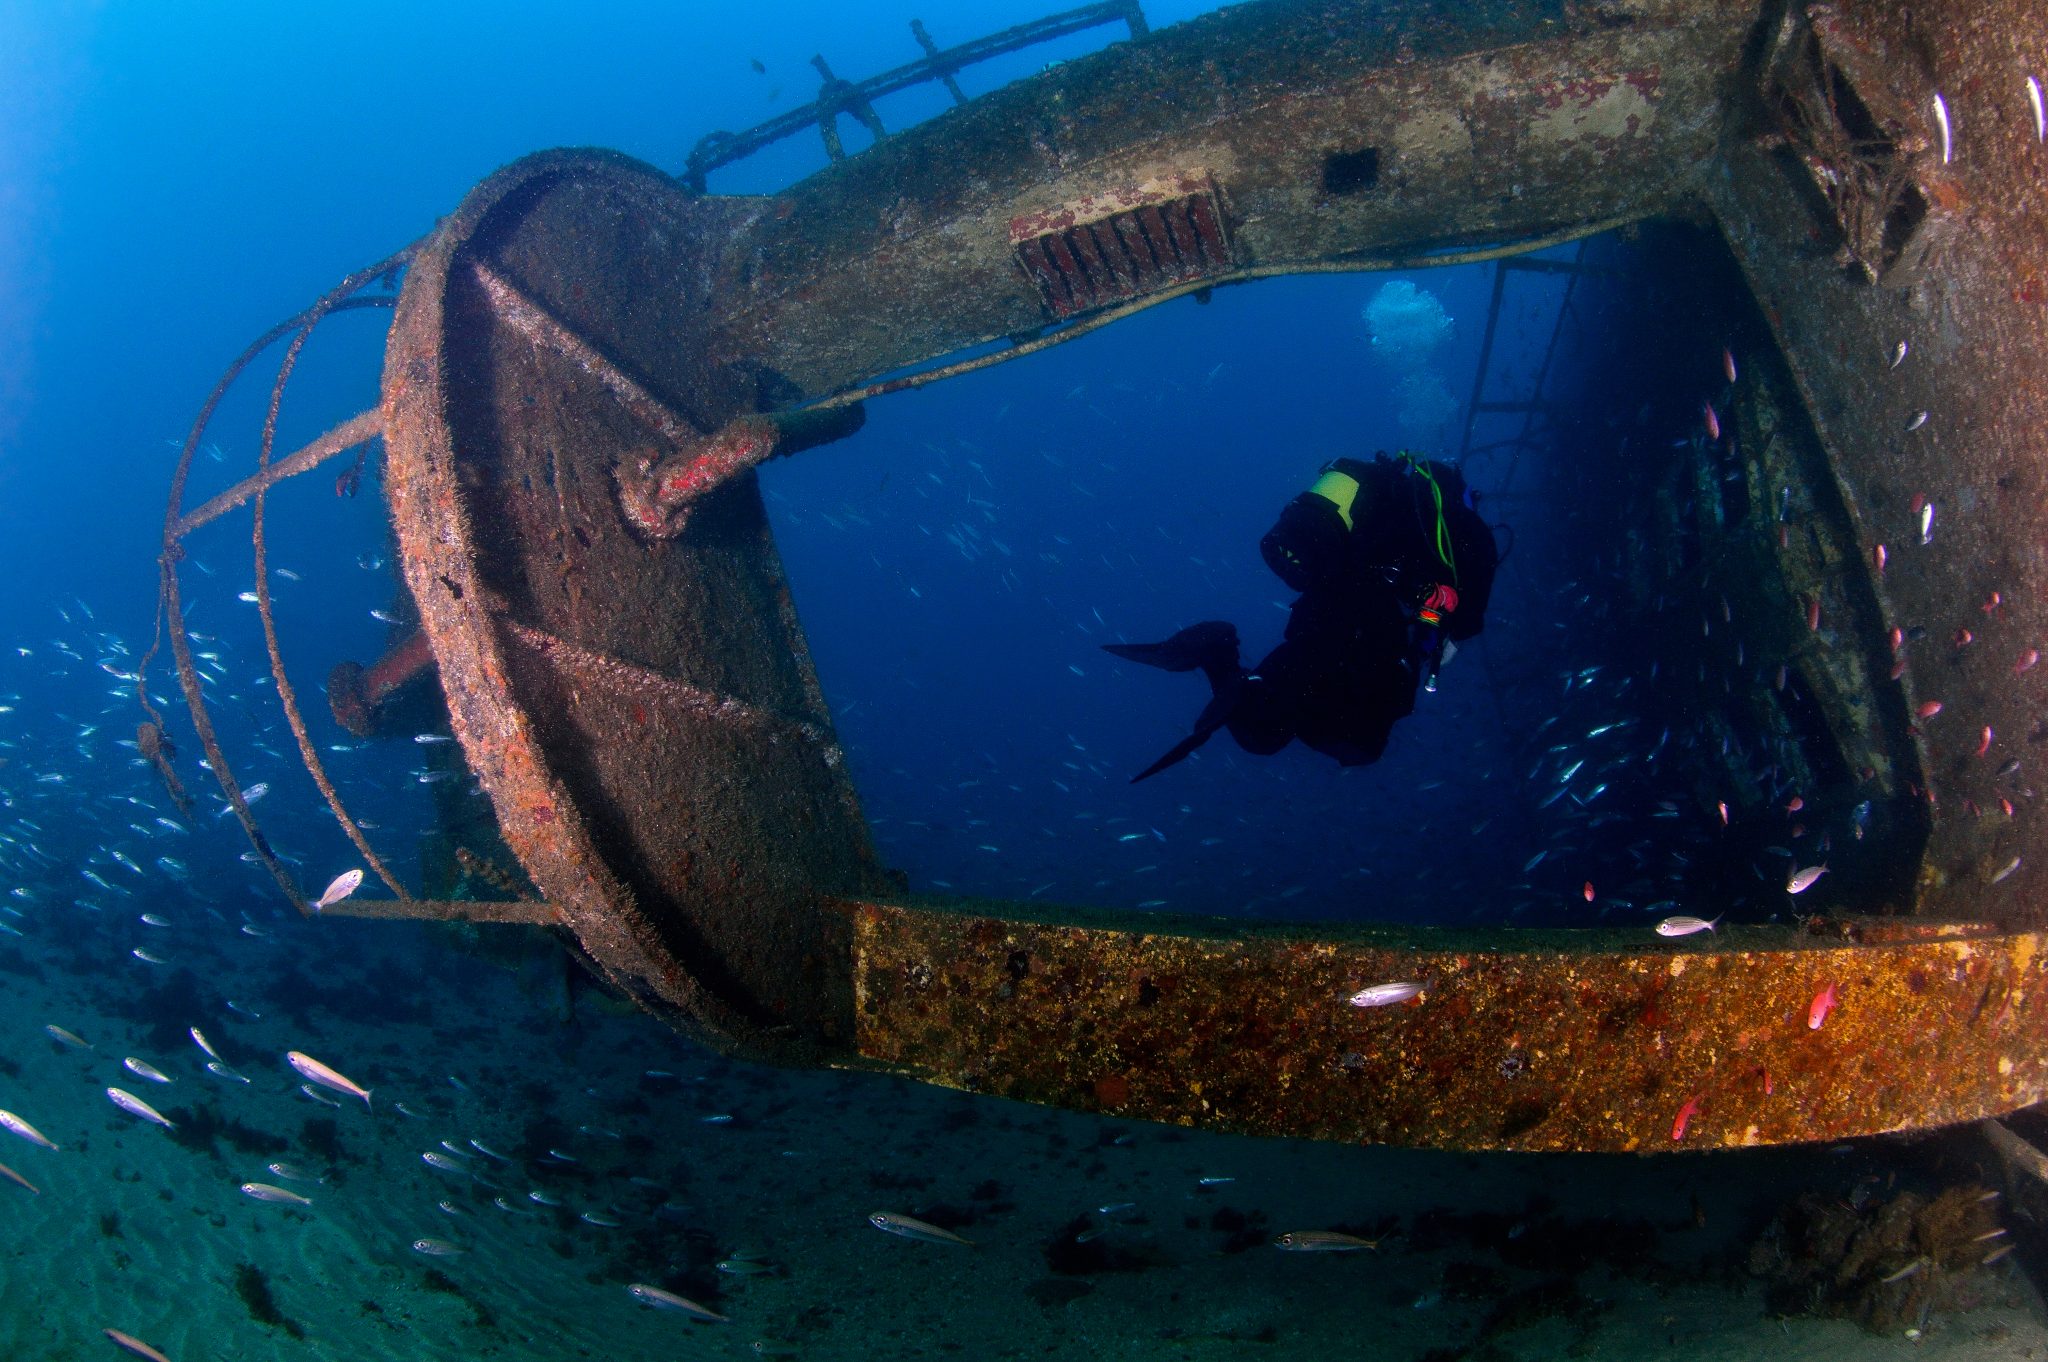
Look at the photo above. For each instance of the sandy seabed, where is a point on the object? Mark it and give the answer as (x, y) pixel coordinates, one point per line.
(1488, 1258)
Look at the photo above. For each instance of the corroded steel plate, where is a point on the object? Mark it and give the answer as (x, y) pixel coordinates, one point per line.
(641, 711)
(1519, 1040)
(634, 692)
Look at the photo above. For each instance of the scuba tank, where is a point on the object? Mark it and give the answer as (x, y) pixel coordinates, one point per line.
(1308, 545)
(1314, 541)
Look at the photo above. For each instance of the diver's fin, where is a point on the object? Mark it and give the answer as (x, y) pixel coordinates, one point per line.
(1210, 645)
(1213, 716)
(1175, 754)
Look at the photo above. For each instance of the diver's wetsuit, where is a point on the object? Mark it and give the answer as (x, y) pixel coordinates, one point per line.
(1364, 550)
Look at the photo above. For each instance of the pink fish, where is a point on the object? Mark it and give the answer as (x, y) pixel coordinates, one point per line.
(2026, 661)
(343, 885)
(135, 1345)
(1713, 421)
(1823, 1003)
(1685, 1115)
(1928, 709)
(1728, 363)
(324, 1076)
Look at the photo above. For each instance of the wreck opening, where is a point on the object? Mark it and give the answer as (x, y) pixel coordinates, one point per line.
(1654, 707)
(591, 361)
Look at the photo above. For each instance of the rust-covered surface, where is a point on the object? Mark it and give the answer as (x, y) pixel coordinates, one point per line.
(1954, 421)
(1326, 129)
(641, 710)
(1574, 1040)
(585, 358)
(588, 361)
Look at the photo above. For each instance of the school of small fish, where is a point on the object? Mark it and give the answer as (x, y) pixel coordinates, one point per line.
(1593, 787)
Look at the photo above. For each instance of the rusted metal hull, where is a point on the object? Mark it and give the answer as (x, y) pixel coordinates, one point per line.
(1483, 127)
(1572, 1041)
(1955, 425)
(587, 362)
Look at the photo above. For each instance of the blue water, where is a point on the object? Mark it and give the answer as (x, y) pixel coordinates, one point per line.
(175, 179)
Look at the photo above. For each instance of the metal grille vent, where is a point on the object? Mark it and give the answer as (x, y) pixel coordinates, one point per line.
(1123, 243)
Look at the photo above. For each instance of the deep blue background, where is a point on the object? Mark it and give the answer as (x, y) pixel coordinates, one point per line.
(179, 179)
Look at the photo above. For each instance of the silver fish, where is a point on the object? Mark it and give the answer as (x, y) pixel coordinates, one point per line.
(63, 1037)
(1684, 925)
(146, 958)
(314, 1094)
(669, 1300)
(1385, 995)
(9, 1121)
(437, 1248)
(737, 1266)
(142, 1068)
(263, 1191)
(18, 1180)
(324, 1076)
(201, 1042)
(434, 1158)
(135, 1106)
(914, 1229)
(291, 1172)
(220, 1070)
(1323, 1241)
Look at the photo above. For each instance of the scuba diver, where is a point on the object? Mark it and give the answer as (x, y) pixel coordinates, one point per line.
(1394, 567)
